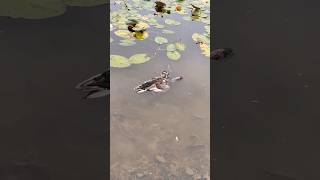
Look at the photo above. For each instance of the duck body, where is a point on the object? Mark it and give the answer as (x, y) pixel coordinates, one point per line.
(157, 84)
(96, 86)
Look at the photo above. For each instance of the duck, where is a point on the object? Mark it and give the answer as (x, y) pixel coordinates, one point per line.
(96, 86)
(221, 53)
(157, 84)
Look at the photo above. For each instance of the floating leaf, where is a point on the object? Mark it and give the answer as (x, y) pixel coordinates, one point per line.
(152, 21)
(180, 46)
(127, 42)
(159, 26)
(160, 40)
(200, 38)
(187, 18)
(140, 26)
(119, 61)
(139, 59)
(172, 22)
(123, 33)
(167, 31)
(173, 55)
(207, 29)
(171, 47)
(141, 35)
(205, 49)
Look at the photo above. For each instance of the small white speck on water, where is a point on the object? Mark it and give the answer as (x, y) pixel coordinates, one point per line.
(177, 139)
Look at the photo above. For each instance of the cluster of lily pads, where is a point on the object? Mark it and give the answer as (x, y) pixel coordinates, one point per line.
(122, 62)
(133, 20)
(40, 9)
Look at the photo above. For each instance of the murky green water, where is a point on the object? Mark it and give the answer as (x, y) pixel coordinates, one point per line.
(161, 136)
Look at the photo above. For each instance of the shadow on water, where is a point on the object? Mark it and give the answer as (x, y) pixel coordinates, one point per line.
(43, 118)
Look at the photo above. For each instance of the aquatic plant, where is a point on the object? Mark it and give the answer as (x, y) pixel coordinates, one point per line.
(138, 19)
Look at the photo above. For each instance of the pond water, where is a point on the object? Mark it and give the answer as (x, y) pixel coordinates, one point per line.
(166, 135)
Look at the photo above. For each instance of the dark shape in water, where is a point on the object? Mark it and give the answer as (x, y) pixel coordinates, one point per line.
(96, 86)
(160, 8)
(222, 53)
(131, 24)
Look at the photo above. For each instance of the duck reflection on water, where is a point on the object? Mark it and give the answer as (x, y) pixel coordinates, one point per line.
(96, 86)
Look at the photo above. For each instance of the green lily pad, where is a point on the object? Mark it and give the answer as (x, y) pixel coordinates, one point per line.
(141, 35)
(152, 21)
(207, 29)
(205, 49)
(36, 9)
(165, 31)
(180, 46)
(200, 38)
(123, 33)
(139, 59)
(171, 47)
(84, 3)
(187, 18)
(173, 55)
(172, 22)
(127, 42)
(160, 40)
(118, 61)
(206, 21)
(159, 26)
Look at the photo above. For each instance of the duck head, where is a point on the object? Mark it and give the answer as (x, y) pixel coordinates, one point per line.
(165, 74)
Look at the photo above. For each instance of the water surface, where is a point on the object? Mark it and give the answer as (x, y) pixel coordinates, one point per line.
(161, 136)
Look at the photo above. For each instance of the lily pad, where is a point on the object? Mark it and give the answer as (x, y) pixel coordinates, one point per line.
(118, 61)
(171, 47)
(140, 26)
(141, 35)
(187, 18)
(165, 31)
(127, 42)
(152, 21)
(139, 59)
(160, 40)
(180, 46)
(172, 22)
(123, 33)
(200, 38)
(159, 26)
(205, 49)
(173, 55)
(84, 3)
